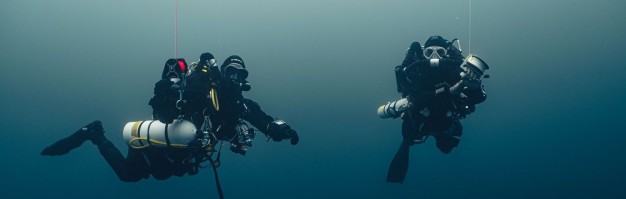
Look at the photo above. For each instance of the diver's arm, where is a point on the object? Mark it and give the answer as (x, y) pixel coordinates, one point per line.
(256, 116)
(401, 81)
(215, 74)
(464, 79)
(413, 54)
(412, 70)
(475, 96)
(457, 88)
(276, 129)
(407, 71)
(472, 87)
(411, 78)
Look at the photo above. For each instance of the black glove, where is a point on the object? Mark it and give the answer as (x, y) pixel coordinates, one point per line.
(471, 79)
(413, 54)
(279, 130)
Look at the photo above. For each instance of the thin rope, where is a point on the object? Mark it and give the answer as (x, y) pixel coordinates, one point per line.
(219, 20)
(469, 45)
(176, 32)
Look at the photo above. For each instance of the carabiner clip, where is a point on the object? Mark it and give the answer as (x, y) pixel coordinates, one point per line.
(179, 104)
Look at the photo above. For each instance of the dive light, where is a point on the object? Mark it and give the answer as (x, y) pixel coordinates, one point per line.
(477, 65)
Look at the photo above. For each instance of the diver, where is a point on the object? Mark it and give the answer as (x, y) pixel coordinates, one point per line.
(231, 109)
(439, 87)
(184, 103)
(158, 162)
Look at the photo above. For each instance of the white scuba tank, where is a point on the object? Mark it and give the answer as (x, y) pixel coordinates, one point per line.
(393, 109)
(153, 133)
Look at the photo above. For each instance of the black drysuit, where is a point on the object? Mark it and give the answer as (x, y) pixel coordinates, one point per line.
(436, 110)
(163, 162)
(435, 114)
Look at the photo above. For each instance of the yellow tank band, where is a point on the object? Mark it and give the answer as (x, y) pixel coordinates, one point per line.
(133, 130)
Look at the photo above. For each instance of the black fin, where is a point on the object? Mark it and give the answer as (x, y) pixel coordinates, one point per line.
(399, 165)
(73, 141)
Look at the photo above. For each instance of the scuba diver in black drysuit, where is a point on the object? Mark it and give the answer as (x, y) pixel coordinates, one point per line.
(230, 108)
(202, 85)
(439, 87)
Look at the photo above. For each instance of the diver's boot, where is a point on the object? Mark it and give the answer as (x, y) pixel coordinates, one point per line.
(414, 139)
(92, 131)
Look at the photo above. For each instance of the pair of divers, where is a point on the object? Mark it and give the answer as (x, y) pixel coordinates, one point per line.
(195, 108)
(439, 87)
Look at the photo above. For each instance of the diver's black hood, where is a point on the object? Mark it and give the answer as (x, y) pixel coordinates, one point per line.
(233, 60)
(206, 60)
(206, 56)
(436, 40)
(234, 63)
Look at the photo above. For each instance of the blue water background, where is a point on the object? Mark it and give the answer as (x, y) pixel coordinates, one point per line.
(552, 126)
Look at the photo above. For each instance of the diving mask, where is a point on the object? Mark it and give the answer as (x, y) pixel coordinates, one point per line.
(236, 72)
(206, 64)
(210, 63)
(435, 52)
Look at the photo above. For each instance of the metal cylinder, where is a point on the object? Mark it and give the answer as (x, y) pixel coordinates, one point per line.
(393, 109)
(156, 134)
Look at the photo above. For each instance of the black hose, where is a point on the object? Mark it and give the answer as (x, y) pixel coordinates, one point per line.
(217, 178)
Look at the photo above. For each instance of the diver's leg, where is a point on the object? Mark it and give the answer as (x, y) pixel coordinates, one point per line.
(111, 154)
(411, 131)
(129, 169)
(446, 143)
(161, 166)
(450, 139)
(73, 141)
(136, 166)
(400, 162)
(178, 157)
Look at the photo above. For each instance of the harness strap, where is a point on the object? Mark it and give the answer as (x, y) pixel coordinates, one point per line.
(139, 131)
(167, 138)
(147, 132)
